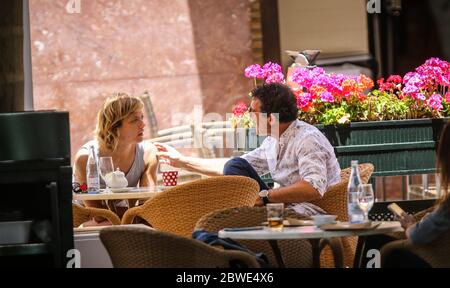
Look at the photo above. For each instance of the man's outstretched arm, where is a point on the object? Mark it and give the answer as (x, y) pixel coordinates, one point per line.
(209, 167)
(301, 191)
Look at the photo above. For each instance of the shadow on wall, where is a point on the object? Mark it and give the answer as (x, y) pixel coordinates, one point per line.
(217, 27)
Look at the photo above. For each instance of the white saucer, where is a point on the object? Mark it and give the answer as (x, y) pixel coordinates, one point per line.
(121, 190)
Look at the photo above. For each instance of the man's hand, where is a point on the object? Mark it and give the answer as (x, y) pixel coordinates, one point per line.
(169, 155)
(209, 167)
(259, 202)
(406, 220)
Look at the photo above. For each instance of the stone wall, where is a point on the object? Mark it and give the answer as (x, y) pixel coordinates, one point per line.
(185, 52)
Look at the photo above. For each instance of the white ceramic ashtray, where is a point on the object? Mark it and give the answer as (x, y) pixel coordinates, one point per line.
(324, 219)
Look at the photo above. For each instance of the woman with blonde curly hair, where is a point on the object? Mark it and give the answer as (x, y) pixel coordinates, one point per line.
(120, 134)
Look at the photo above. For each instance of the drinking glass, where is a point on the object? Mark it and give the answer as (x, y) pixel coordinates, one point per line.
(365, 199)
(275, 215)
(106, 167)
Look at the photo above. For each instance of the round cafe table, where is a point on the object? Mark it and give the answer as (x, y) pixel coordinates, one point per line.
(134, 194)
(311, 233)
(140, 193)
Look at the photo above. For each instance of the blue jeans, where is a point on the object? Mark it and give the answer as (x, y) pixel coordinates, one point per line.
(240, 167)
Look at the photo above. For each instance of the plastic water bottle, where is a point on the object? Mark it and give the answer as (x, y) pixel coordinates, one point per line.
(92, 175)
(355, 214)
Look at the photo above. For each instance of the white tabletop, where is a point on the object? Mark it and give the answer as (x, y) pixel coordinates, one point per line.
(96, 229)
(308, 232)
(135, 193)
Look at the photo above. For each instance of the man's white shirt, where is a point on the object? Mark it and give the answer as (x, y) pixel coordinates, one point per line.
(301, 153)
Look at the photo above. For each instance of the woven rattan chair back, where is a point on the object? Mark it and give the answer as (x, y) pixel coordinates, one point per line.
(296, 253)
(334, 202)
(436, 253)
(82, 214)
(176, 210)
(138, 247)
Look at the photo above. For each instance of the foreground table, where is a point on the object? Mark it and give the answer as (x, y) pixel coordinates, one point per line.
(311, 233)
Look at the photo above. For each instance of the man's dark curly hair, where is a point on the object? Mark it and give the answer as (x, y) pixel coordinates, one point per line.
(277, 98)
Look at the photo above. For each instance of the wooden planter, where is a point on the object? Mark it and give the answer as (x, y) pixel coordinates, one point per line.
(395, 147)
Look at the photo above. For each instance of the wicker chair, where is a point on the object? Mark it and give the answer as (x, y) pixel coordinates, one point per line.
(176, 210)
(296, 253)
(334, 201)
(136, 247)
(82, 214)
(436, 253)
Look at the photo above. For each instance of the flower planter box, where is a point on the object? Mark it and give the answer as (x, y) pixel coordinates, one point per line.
(395, 147)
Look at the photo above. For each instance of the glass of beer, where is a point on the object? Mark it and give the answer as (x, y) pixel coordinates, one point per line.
(275, 216)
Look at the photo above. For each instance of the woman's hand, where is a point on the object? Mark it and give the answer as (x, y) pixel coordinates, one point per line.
(169, 155)
(407, 220)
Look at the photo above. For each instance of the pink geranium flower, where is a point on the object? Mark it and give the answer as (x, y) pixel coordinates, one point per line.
(254, 71)
(435, 102)
(420, 96)
(271, 72)
(270, 68)
(395, 79)
(239, 109)
(327, 97)
(277, 77)
(304, 100)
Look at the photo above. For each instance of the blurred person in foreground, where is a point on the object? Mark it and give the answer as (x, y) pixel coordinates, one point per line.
(432, 225)
(422, 228)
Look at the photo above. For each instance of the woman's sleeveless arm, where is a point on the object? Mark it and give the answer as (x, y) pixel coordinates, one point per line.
(148, 178)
